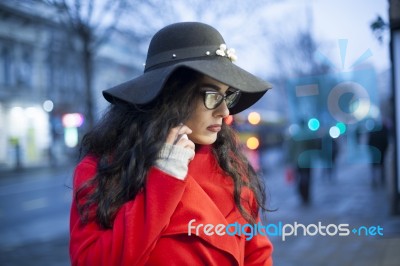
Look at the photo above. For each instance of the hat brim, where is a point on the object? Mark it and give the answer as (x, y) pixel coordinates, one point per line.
(146, 87)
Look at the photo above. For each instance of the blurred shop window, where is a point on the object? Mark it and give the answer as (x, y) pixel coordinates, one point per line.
(24, 70)
(6, 64)
(49, 75)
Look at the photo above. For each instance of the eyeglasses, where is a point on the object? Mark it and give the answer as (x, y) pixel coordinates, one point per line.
(213, 99)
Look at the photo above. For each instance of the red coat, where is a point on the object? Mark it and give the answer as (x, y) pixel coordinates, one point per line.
(152, 229)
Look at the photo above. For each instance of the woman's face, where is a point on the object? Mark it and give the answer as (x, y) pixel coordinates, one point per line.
(206, 123)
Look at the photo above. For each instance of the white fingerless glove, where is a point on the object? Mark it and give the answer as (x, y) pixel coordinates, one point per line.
(174, 160)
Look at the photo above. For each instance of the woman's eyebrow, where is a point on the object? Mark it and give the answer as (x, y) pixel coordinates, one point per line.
(211, 86)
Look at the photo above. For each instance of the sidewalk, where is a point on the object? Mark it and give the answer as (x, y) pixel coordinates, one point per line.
(349, 199)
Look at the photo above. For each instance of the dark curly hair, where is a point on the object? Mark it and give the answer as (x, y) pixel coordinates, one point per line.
(128, 138)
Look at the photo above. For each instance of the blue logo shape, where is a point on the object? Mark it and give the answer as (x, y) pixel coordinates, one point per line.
(347, 97)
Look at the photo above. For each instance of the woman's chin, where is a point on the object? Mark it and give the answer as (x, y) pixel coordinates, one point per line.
(204, 140)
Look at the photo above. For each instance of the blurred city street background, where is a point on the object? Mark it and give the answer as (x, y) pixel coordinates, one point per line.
(334, 66)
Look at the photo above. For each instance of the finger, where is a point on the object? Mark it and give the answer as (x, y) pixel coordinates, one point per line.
(174, 134)
(184, 130)
(188, 144)
(178, 138)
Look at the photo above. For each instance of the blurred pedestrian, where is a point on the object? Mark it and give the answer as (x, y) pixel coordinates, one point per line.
(329, 153)
(303, 149)
(378, 140)
(162, 174)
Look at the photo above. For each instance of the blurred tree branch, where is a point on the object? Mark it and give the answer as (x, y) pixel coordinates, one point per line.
(93, 27)
(152, 15)
(94, 21)
(378, 27)
(297, 59)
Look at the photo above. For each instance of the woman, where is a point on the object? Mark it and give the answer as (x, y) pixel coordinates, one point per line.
(162, 178)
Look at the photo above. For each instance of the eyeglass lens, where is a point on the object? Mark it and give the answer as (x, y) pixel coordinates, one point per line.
(213, 99)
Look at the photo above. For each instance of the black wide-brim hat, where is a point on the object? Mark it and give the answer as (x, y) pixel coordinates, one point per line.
(193, 45)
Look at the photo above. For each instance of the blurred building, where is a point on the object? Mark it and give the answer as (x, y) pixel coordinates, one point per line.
(42, 84)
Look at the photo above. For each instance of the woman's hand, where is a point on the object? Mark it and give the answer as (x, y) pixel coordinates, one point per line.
(176, 153)
(178, 136)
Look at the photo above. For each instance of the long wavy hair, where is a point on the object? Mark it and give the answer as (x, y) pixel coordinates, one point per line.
(126, 142)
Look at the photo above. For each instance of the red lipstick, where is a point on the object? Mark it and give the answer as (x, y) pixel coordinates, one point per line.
(214, 128)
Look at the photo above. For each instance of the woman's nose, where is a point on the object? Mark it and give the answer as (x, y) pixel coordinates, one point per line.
(222, 110)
